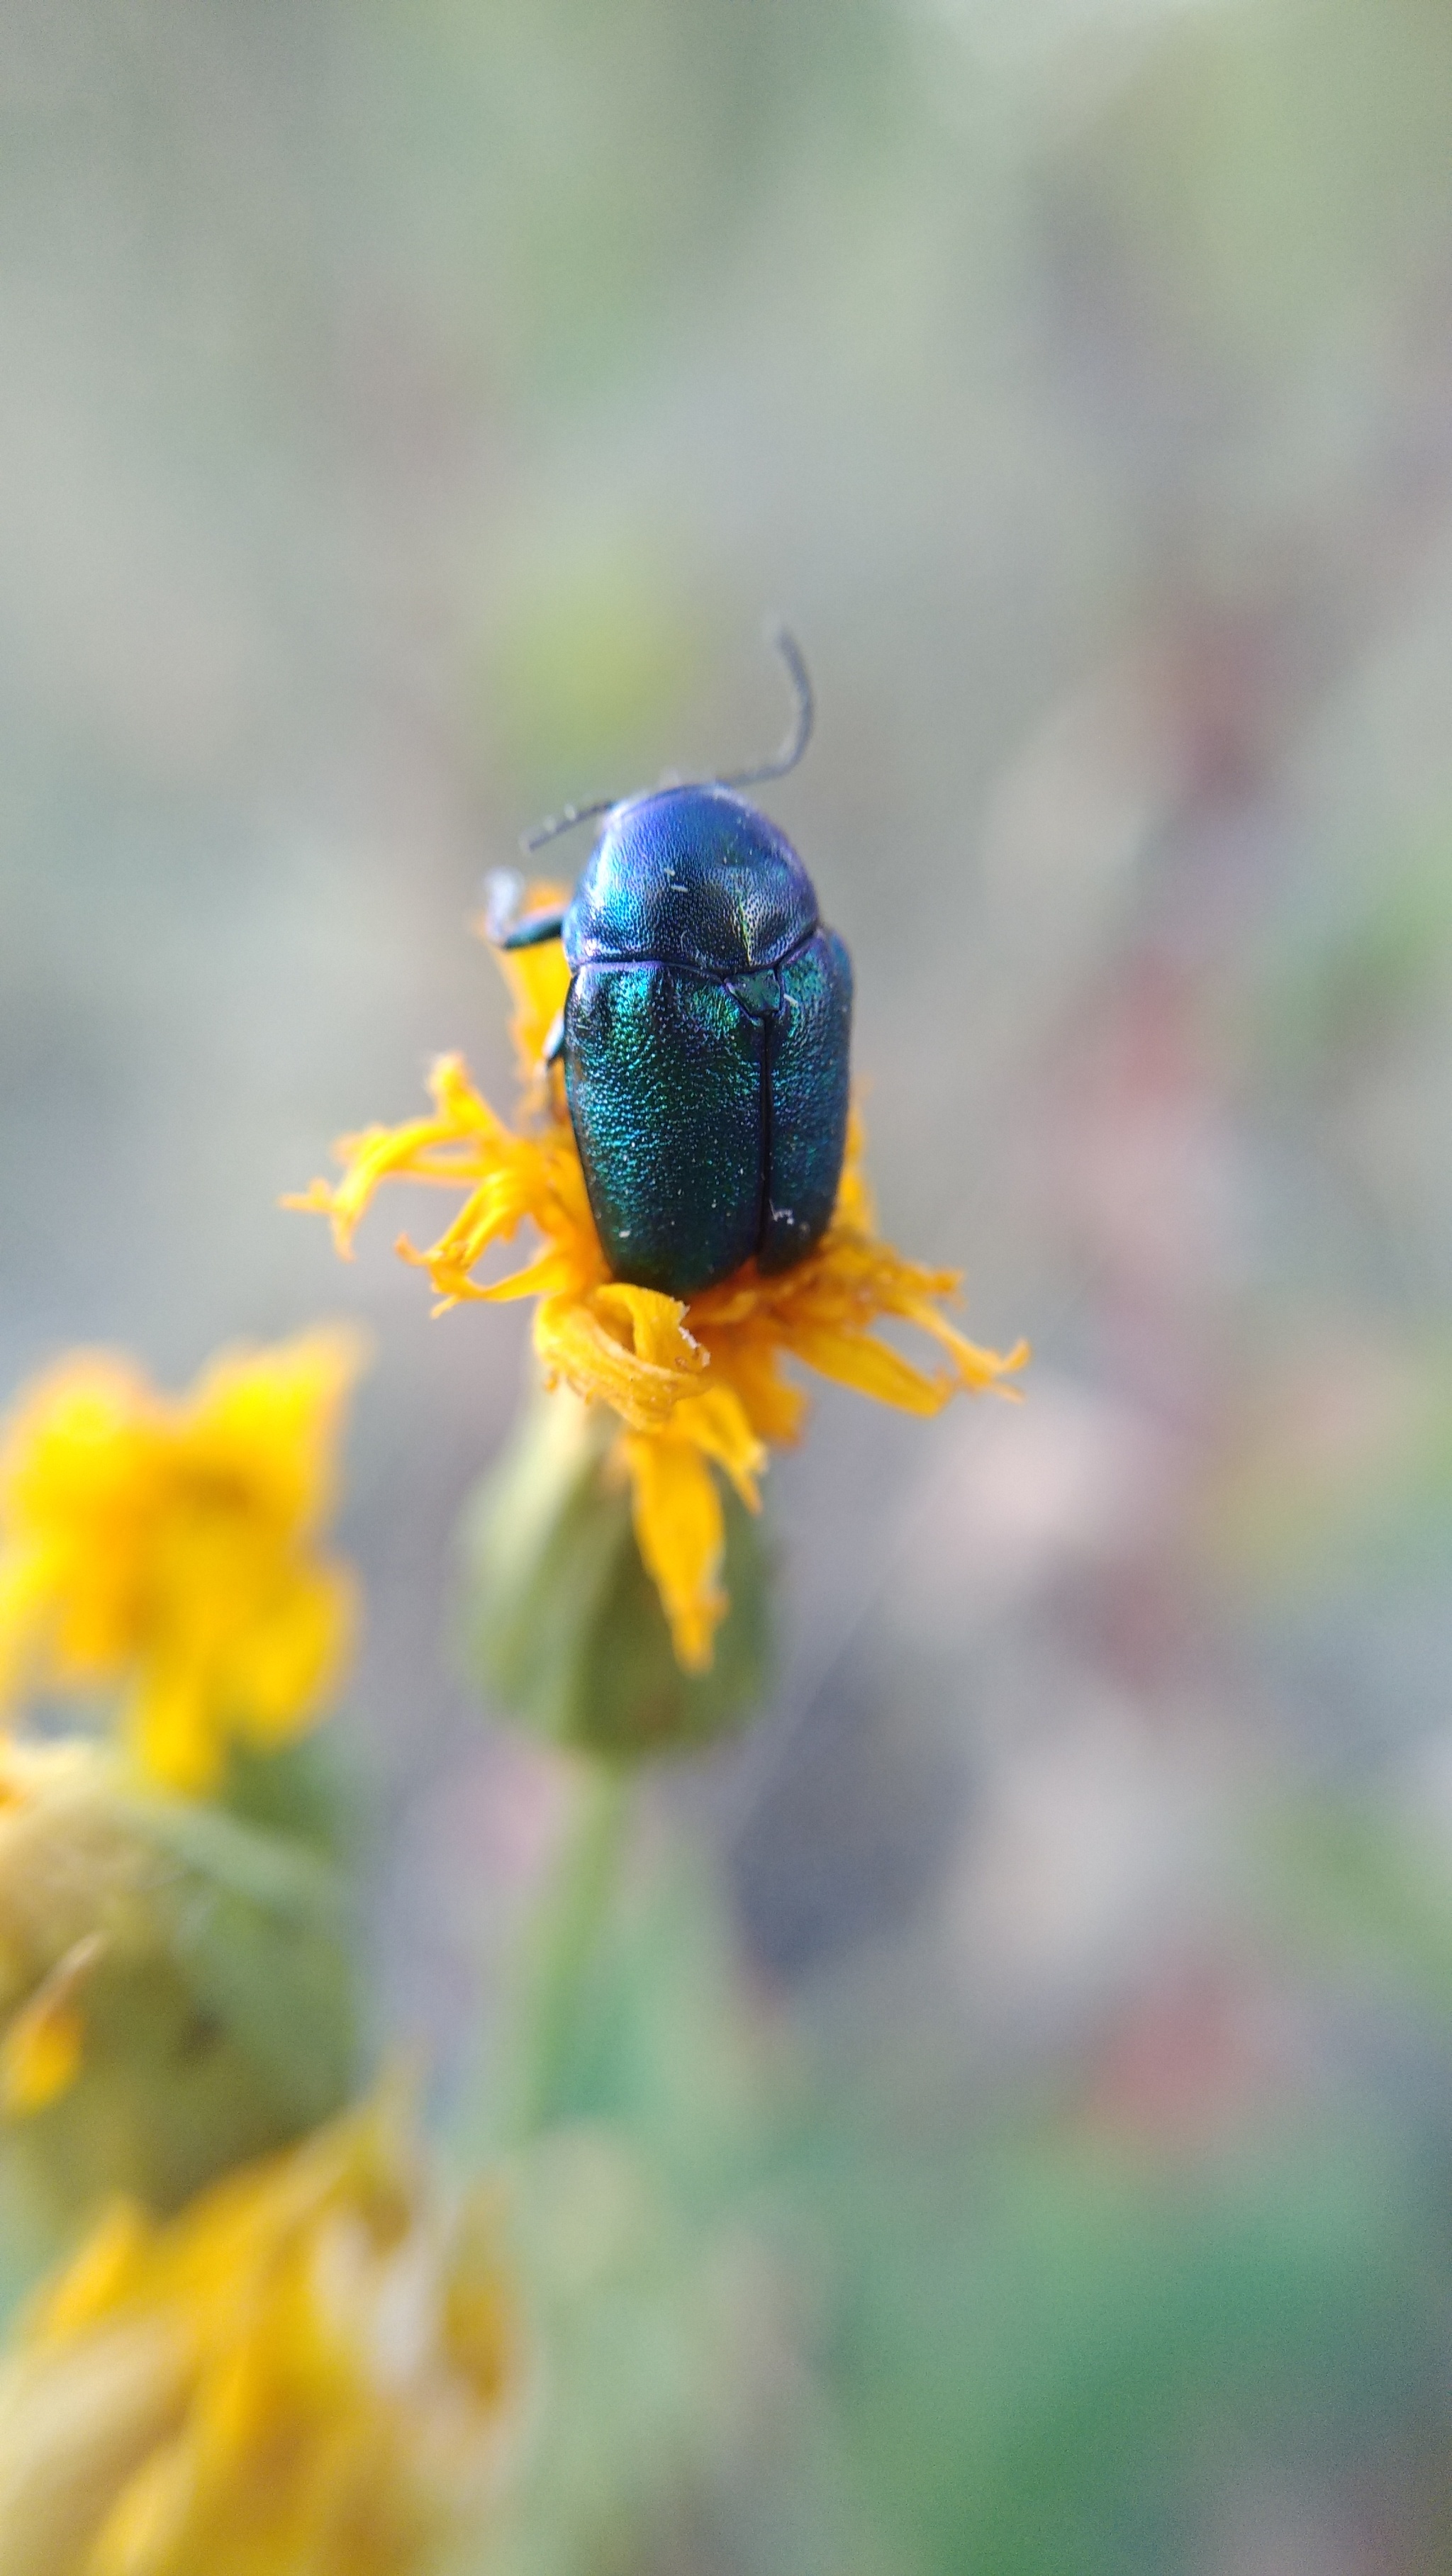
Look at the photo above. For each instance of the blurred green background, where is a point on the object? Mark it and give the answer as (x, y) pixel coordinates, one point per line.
(406, 415)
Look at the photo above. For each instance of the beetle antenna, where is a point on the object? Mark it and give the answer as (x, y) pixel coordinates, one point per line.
(803, 719)
(784, 643)
(565, 821)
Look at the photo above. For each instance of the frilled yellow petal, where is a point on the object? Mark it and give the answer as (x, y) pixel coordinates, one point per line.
(549, 1275)
(462, 1109)
(716, 1423)
(454, 1145)
(822, 1313)
(681, 1533)
(594, 1346)
(980, 1370)
(491, 1213)
(856, 1360)
(508, 1178)
(650, 1325)
(751, 1365)
(514, 1186)
(377, 1155)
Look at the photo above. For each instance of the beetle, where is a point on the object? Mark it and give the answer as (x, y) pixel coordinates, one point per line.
(706, 1029)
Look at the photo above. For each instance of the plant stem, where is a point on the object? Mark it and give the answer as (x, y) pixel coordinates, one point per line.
(560, 1949)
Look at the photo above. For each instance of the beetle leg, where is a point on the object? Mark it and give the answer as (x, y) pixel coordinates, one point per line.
(505, 926)
(535, 929)
(554, 1045)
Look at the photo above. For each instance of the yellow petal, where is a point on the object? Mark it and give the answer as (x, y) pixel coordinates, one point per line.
(443, 1148)
(545, 1276)
(98, 2278)
(749, 1363)
(655, 1324)
(856, 1360)
(161, 1545)
(716, 1424)
(459, 1102)
(573, 1344)
(25, 1590)
(259, 2422)
(981, 1370)
(139, 2535)
(262, 1424)
(288, 1661)
(171, 1724)
(41, 2054)
(681, 1533)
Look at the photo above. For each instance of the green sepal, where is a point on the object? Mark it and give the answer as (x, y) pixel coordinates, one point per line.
(298, 1789)
(564, 1628)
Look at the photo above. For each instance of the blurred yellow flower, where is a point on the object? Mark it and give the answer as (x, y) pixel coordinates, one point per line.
(311, 2371)
(694, 1382)
(167, 1546)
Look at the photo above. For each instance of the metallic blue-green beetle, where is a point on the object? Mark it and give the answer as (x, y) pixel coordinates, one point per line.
(705, 1032)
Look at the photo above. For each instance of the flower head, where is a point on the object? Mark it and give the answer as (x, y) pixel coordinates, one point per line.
(308, 2372)
(696, 1383)
(166, 1546)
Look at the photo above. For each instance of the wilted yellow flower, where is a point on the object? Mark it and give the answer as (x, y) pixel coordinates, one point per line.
(166, 1546)
(311, 2371)
(695, 1382)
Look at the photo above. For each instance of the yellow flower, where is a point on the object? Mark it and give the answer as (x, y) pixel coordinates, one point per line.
(695, 1383)
(167, 1546)
(310, 2371)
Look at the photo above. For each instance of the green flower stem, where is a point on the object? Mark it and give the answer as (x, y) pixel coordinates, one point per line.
(560, 1950)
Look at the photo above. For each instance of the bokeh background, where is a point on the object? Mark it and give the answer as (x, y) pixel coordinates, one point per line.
(406, 416)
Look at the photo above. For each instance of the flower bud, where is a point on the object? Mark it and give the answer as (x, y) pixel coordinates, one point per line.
(174, 1987)
(565, 1629)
